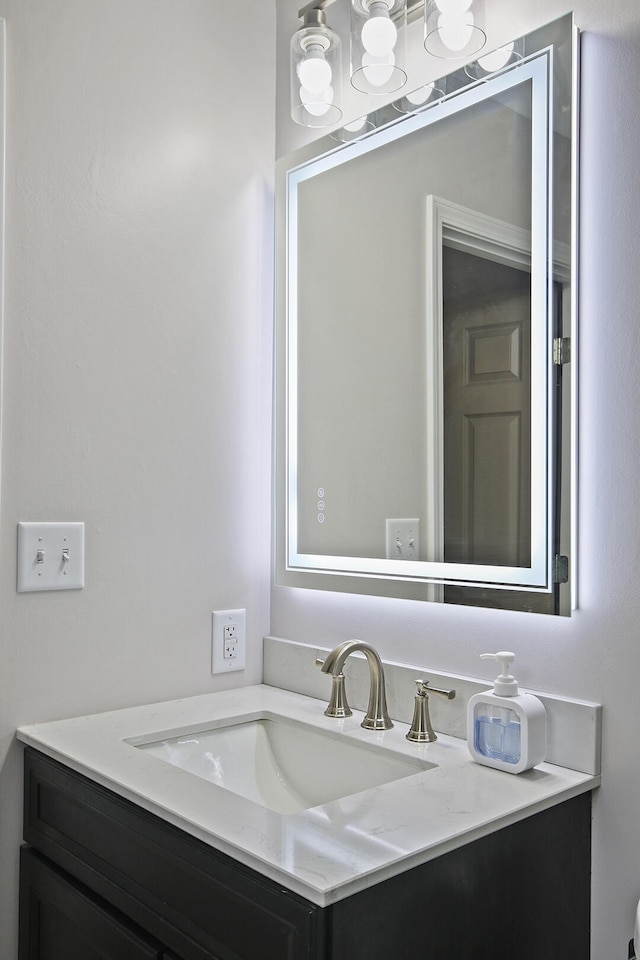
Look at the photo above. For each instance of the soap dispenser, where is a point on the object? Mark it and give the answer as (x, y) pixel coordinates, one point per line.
(506, 729)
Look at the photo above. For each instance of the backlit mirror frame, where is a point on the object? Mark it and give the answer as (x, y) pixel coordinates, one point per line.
(550, 65)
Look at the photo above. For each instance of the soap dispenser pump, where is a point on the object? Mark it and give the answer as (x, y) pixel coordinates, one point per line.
(506, 729)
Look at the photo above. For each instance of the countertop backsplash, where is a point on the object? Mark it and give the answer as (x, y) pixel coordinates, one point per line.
(573, 726)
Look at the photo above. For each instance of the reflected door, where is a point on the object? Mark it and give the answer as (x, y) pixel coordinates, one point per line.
(487, 419)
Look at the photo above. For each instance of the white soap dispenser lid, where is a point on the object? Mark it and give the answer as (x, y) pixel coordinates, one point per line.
(505, 685)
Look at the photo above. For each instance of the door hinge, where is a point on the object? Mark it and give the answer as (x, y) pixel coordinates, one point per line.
(561, 350)
(560, 569)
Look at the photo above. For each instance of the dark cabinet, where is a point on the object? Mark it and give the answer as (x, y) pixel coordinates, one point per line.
(101, 874)
(198, 903)
(61, 920)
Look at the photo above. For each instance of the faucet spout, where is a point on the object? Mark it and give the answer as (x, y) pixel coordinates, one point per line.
(377, 715)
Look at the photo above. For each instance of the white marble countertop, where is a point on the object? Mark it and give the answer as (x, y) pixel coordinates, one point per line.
(327, 852)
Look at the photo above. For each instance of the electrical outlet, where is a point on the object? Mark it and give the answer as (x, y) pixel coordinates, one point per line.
(230, 645)
(403, 539)
(228, 640)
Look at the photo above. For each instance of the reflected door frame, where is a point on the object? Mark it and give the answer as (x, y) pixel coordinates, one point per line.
(453, 225)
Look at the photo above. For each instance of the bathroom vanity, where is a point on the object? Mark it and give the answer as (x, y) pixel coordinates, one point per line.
(129, 856)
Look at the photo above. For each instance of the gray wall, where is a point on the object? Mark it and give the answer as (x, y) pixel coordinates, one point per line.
(137, 352)
(596, 653)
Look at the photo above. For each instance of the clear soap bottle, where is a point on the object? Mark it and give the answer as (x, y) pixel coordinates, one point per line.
(506, 729)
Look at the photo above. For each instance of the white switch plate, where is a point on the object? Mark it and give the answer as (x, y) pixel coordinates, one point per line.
(228, 640)
(50, 556)
(403, 539)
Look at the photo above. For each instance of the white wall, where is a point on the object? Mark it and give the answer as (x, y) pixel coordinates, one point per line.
(595, 654)
(137, 384)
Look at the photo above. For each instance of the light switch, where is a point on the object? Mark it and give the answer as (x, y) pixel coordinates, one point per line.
(403, 539)
(50, 556)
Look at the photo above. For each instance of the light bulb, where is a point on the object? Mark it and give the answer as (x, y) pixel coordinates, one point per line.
(421, 95)
(455, 32)
(497, 58)
(356, 125)
(378, 70)
(379, 33)
(453, 7)
(314, 72)
(317, 103)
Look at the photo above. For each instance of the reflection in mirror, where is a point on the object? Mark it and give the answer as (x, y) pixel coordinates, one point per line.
(423, 423)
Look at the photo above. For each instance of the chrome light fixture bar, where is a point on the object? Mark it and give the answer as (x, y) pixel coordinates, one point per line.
(378, 39)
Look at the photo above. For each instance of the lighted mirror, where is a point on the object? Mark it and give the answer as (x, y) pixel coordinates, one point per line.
(425, 325)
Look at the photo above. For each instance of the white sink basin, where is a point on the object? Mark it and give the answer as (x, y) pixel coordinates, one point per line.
(282, 765)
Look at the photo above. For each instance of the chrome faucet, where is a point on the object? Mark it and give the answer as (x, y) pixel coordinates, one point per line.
(377, 715)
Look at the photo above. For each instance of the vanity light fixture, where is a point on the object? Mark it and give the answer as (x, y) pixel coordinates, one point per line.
(451, 29)
(378, 39)
(316, 71)
(378, 42)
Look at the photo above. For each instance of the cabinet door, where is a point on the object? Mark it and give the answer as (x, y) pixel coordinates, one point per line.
(59, 920)
(199, 903)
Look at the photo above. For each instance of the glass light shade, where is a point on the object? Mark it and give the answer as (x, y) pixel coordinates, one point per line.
(354, 129)
(315, 73)
(453, 7)
(378, 45)
(422, 97)
(499, 59)
(452, 29)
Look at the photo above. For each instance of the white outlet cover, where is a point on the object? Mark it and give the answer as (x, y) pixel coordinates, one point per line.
(50, 556)
(220, 620)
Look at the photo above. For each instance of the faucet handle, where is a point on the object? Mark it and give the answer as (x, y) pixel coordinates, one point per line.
(338, 705)
(421, 729)
(424, 690)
